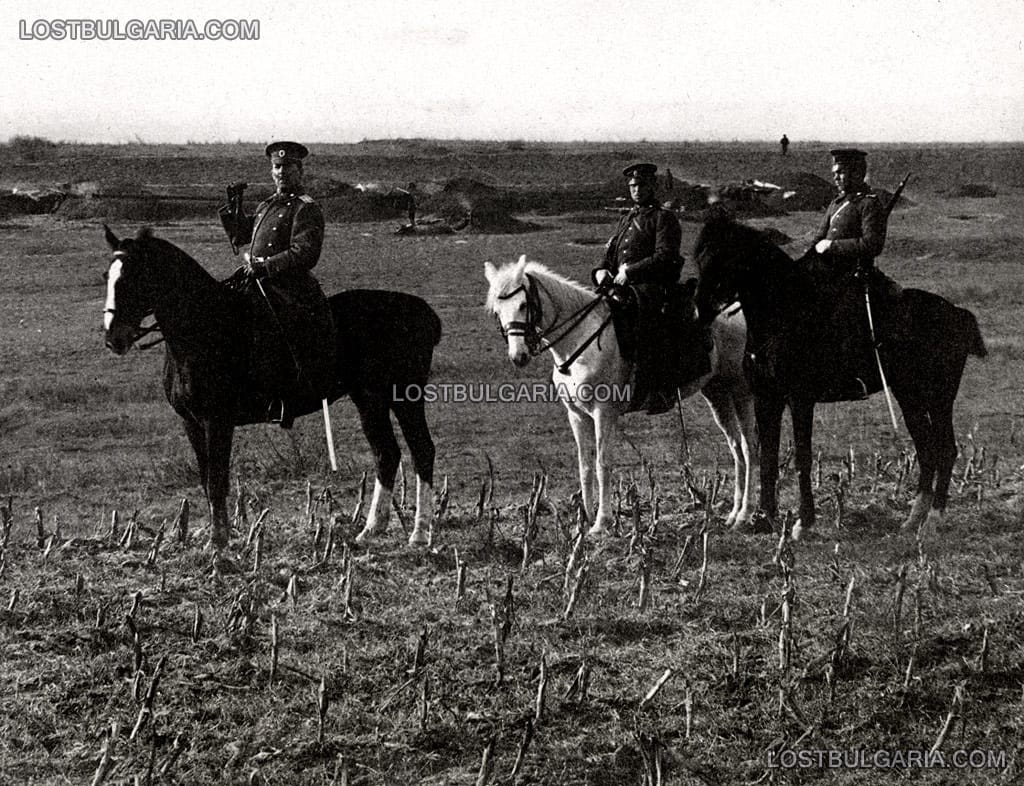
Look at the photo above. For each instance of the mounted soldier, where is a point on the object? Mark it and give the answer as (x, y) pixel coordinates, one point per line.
(851, 235)
(293, 352)
(643, 256)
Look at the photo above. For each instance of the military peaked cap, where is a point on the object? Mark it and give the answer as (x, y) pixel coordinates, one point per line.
(639, 170)
(286, 151)
(849, 155)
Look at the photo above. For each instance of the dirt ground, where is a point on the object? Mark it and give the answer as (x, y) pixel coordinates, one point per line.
(936, 624)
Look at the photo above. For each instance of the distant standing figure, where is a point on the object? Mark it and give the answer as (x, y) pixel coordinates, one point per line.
(784, 144)
(412, 204)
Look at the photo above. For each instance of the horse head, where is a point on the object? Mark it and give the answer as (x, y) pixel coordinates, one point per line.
(131, 291)
(515, 303)
(724, 252)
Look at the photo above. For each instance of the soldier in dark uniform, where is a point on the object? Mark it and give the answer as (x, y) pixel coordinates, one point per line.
(851, 235)
(784, 144)
(644, 256)
(294, 340)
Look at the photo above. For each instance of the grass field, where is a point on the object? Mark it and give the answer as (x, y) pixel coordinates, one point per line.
(772, 653)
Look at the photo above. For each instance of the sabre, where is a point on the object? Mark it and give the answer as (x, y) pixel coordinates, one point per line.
(328, 431)
(871, 321)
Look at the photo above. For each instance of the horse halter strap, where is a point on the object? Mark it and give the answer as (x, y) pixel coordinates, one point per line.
(528, 328)
(536, 337)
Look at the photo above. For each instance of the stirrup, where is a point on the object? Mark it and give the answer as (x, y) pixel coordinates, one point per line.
(278, 413)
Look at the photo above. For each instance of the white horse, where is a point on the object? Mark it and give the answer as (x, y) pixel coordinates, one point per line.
(538, 309)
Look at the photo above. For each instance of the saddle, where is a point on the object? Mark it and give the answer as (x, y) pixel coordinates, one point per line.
(659, 333)
(293, 352)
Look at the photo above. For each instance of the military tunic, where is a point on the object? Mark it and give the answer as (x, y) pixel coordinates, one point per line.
(287, 233)
(647, 240)
(855, 223)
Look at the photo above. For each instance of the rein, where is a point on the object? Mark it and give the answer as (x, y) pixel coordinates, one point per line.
(537, 340)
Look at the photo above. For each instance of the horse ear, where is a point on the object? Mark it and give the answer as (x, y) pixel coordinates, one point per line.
(490, 271)
(111, 238)
(521, 265)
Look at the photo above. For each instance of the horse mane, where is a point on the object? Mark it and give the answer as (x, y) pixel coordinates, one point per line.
(511, 276)
(722, 235)
(157, 246)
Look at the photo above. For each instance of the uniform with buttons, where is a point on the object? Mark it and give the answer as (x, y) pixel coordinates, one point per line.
(855, 223)
(293, 331)
(287, 232)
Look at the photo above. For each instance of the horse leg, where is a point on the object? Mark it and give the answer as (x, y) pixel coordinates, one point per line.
(583, 431)
(802, 413)
(376, 422)
(413, 422)
(218, 448)
(196, 433)
(743, 406)
(605, 423)
(768, 410)
(944, 453)
(728, 421)
(921, 429)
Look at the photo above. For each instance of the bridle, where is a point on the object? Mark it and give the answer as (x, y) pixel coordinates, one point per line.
(141, 330)
(529, 328)
(537, 338)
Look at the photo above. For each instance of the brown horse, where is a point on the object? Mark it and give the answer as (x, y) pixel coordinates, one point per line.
(790, 360)
(386, 342)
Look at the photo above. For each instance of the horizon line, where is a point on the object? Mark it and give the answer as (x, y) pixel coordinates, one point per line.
(520, 140)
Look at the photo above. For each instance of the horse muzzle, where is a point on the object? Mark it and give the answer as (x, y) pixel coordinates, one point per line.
(119, 338)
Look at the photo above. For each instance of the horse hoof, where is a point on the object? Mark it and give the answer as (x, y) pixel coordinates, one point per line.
(798, 530)
(367, 536)
(419, 537)
(598, 531)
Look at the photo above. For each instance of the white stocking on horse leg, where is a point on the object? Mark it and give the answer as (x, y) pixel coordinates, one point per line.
(376, 518)
(604, 432)
(424, 514)
(583, 430)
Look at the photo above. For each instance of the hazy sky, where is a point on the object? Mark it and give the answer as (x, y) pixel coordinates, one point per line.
(859, 70)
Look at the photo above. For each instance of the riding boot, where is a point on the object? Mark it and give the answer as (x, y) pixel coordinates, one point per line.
(852, 355)
(662, 372)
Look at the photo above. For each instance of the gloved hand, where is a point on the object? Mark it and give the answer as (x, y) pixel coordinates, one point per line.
(822, 246)
(620, 277)
(602, 279)
(255, 266)
(236, 190)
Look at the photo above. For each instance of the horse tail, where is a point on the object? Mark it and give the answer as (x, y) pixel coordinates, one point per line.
(970, 333)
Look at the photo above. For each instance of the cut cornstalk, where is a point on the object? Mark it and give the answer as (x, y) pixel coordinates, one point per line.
(524, 747)
(649, 697)
(542, 687)
(275, 649)
(147, 705)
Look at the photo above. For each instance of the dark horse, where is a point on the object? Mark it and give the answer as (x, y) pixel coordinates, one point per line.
(791, 359)
(386, 344)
